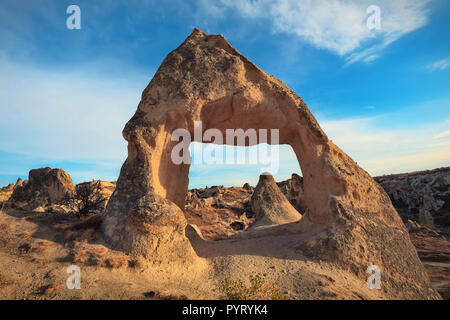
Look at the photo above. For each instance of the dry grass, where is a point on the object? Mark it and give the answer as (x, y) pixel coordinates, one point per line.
(137, 263)
(83, 231)
(51, 289)
(93, 257)
(41, 246)
(117, 262)
(257, 290)
(27, 234)
(88, 235)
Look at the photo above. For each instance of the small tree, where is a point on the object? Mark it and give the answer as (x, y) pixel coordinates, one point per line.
(89, 198)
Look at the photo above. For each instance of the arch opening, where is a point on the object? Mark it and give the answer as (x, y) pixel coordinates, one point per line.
(222, 179)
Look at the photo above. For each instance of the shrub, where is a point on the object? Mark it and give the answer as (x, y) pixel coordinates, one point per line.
(88, 199)
(257, 290)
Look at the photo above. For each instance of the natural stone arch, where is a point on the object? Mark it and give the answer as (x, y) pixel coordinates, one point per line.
(207, 79)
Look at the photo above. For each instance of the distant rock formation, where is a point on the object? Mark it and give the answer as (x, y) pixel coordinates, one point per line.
(45, 187)
(294, 192)
(8, 188)
(5, 192)
(270, 205)
(350, 220)
(422, 196)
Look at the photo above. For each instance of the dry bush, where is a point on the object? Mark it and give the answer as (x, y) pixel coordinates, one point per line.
(52, 289)
(117, 262)
(137, 263)
(88, 199)
(41, 246)
(92, 257)
(27, 234)
(81, 256)
(98, 256)
(257, 290)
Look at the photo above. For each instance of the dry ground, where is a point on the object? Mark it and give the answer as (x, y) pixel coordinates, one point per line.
(36, 249)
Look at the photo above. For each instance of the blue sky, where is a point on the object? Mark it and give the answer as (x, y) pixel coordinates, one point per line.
(381, 95)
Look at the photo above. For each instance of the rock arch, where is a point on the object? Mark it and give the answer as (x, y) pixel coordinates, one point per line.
(206, 79)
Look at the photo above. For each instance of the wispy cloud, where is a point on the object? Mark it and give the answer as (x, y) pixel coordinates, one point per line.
(381, 151)
(75, 114)
(441, 135)
(339, 26)
(439, 65)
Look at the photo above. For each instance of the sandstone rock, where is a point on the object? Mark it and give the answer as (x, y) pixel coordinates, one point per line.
(192, 200)
(215, 222)
(8, 188)
(249, 188)
(413, 226)
(270, 205)
(5, 192)
(419, 195)
(212, 192)
(352, 221)
(45, 186)
(293, 190)
(19, 183)
(39, 209)
(59, 209)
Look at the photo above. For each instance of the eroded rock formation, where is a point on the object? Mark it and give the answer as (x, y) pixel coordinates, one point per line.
(294, 192)
(270, 205)
(350, 219)
(45, 187)
(423, 196)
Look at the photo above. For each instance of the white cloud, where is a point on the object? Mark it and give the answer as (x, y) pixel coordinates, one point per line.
(66, 115)
(440, 65)
(337, 25)
(442, 135)
(383, 151)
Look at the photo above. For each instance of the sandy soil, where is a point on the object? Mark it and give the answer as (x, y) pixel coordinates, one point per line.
(36, 249)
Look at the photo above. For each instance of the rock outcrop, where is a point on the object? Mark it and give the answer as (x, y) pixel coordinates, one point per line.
(5, 192)
(350, 219)
(45, 187)
(294, 192)
(270, 205)
(423, 196)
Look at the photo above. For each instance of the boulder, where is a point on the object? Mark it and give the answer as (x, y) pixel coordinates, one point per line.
(45, 187)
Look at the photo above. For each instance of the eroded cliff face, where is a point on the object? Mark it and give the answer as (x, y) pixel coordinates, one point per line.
(422, 196)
